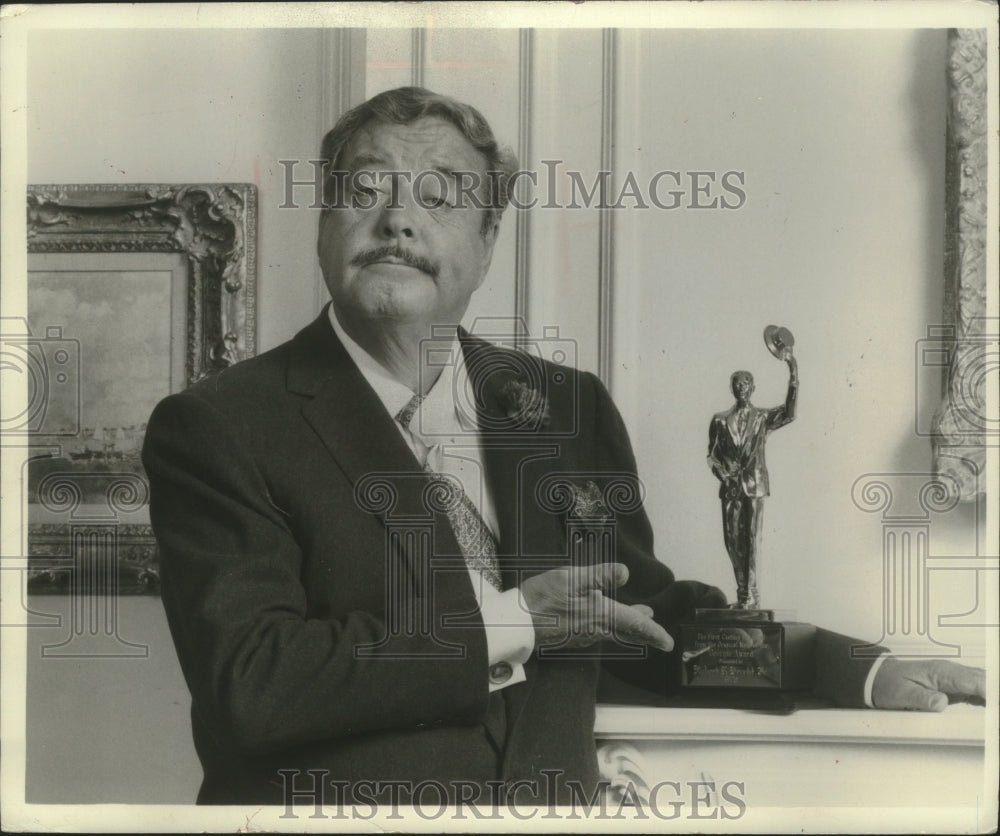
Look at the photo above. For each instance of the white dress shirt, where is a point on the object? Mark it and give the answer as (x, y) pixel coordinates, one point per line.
(442, 437)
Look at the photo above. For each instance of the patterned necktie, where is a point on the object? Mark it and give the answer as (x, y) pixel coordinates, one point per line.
(478, 545)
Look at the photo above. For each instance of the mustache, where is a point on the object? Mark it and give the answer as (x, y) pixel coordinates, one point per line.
(370, 256)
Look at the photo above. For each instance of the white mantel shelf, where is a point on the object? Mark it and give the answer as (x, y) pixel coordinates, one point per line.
(958, 725)
(812, 769)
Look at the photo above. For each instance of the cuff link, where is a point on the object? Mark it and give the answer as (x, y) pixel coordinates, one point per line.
(500, 673)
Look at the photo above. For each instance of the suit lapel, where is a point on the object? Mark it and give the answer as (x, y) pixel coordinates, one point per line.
(350, 420)
(506, 450)
(343, 410)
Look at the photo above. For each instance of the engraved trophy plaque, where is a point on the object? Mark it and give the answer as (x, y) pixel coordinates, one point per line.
(743, 649)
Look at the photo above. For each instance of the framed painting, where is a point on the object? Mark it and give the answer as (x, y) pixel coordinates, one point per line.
(134, 292)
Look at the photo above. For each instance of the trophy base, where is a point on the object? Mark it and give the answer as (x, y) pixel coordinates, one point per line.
(743, 651)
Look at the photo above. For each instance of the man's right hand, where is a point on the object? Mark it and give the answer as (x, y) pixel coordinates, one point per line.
(927, 684)
(569, 609)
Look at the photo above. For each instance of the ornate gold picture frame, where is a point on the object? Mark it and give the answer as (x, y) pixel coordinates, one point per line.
(134, 292)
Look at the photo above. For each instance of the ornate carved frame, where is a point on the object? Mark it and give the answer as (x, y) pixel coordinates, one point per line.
(962, 423)
(214, 227)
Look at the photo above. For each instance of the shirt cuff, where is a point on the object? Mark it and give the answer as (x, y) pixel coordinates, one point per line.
(871, 678)
(510, 636)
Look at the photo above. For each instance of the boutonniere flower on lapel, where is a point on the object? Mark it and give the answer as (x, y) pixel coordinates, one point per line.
(588, 503)
(524, 405)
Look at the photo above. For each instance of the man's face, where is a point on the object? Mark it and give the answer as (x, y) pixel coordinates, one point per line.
(742, 384)
(419, 252)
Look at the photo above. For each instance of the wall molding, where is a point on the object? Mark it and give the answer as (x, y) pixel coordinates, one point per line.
(605, 257)
(418, 56)
(962, 421)
(342, 73)
(342, 86)
(522, 238)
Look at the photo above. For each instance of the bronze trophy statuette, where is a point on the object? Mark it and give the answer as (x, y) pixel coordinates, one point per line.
(740, 650)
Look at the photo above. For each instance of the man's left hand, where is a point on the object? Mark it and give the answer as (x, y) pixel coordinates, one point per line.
(927, 685)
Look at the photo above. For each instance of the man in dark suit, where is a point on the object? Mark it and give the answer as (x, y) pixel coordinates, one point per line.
(390, 550)
(736, 440)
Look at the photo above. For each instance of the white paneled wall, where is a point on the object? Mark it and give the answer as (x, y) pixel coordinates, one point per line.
(840, 136)
(566, 131)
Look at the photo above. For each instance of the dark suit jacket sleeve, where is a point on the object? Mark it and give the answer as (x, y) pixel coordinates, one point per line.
(839, 677)
(264, 674)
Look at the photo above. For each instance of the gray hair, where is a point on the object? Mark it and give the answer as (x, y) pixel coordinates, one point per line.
(407, 104)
